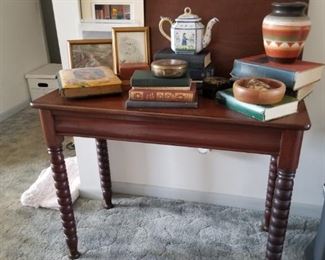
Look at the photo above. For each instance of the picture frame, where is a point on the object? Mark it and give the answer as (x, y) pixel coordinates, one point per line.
(103, 15)
(90, 53)
(130, 45)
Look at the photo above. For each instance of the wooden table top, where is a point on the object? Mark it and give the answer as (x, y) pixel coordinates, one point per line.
(208, 110)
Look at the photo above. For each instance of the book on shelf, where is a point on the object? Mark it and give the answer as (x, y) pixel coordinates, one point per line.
(301, 93)
(163, 94)
(288, 106)
(160, 104)
(195, 61)
(81, 82)
(294, 75)
(145, 78)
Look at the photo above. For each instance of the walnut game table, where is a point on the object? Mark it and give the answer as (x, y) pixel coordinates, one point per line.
(210, 126)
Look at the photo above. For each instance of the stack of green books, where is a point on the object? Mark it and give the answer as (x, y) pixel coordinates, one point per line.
(287, 106)
(299, 77)
(150, 91)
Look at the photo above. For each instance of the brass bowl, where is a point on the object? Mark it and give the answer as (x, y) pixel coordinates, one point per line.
(169, 68)
(261, 96)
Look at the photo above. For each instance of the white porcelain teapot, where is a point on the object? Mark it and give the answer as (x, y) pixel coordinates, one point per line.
(187, 33)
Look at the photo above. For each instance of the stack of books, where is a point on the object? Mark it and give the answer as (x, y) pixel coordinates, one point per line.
(287, 106)
(199, 65)
(150, 91)
(299, 77)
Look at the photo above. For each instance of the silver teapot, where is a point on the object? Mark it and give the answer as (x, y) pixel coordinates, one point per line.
(187, 33)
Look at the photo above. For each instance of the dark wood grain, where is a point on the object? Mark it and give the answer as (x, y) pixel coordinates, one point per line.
(287, 164)
(211, 126)
(270, 191)
(239, 33)
(64, 199)
(54, 144)
(279, 215)
(209, 111)
(104, 172)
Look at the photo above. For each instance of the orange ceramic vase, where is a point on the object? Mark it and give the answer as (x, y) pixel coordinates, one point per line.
(285, 31)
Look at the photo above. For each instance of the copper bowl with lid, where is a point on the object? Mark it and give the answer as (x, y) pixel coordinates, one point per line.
(169, 68)
(262, 91)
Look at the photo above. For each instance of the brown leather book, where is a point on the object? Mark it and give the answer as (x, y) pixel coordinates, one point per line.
(160, 104)
(127, 69)
(163, 94)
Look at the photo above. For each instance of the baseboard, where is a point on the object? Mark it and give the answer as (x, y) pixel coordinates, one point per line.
(299, 209)
(8, 113)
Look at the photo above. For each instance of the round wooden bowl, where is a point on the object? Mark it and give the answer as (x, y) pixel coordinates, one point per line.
(269, 96)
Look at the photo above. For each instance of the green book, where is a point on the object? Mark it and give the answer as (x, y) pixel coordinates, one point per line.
(288, 106)
(145, 78)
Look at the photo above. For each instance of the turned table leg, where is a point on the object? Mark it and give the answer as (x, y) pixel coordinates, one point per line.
(64, 199)
(288, 161)
(279, 214)
(270, 191)
(104, 172)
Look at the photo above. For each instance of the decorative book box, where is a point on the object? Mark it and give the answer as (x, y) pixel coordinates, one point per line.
(81, 82)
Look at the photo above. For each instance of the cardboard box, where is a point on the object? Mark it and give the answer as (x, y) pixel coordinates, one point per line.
(43, 80)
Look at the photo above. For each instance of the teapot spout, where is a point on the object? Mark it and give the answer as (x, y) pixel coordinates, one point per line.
(207, 35)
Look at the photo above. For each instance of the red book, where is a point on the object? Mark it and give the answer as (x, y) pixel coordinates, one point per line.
(126, 69)
(163, 94)
(295, 75)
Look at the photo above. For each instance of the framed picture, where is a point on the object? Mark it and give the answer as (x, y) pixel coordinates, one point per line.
(130, 45)
(106, 14)
(90, 53)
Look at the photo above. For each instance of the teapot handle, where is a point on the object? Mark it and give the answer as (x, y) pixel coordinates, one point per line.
(161, 29)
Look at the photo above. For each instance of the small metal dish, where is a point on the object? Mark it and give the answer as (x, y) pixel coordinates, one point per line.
(169, 68)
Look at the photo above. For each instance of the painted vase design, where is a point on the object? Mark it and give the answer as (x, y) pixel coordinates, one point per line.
(285, 31)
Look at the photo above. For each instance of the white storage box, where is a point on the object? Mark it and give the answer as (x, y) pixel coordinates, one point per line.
(43, 80)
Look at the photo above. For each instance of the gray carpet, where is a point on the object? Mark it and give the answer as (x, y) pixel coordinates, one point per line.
(137, 228)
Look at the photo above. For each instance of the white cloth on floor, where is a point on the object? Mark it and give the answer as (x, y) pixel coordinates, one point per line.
(42, 193)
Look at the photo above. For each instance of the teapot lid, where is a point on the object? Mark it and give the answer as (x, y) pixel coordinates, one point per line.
(188, 16)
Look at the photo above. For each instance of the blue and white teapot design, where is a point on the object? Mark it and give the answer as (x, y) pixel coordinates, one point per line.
(187, 33)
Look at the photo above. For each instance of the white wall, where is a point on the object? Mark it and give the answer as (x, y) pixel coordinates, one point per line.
(311, 173)
(228, 178)
(67, 21)
(22, 49)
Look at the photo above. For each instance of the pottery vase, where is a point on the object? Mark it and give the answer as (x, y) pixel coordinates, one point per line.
(285, 31)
